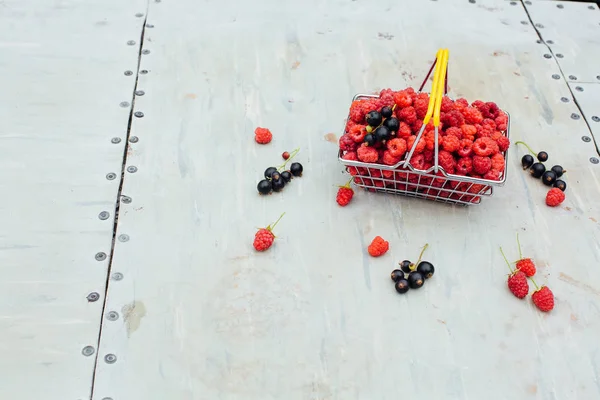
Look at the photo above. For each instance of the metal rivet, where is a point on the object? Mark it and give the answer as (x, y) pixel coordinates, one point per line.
(547, 56)
(539, 25)
(131, 42)
(596, 119)
(88, 351)
(513, 3)
(538, 41)
(149, 26)
(564, 99)
(598, 77)
(128, 73)
(559, 55)
(110, 358)
(550, 41)
(138, 114)
(123, 237)
(126, 199)
(139, 93)
(104, 215)
(100, 256)
(594, 160)
(115, 140)
(146, 52)
(157, 1)
(132, 169)
(133, 139)
(575, 116)
(591, 7)
(524, 22)
(117, 276)
(572, 77)
(556, 76)
(139, 15)
(124, 104)
(586, 139)
(144, 71)
(579, 88)
(93, 297)
(560, 6)
(107, 398)
(472, 1)
(528, 2)
(110, 176)
(112, 316)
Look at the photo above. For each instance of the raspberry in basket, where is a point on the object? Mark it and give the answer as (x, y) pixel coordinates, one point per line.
(367, 154)
(403, 99)
(446, 161)
(485, 147)
(419, 147)
(464, 166)
(503, 143)
(461, 104)
(466, 148)
(492, 175)
(454, 131)
(358, 133)
(451, 142)
(498, 162)
(453, 118)
(347, 144)
(404, 131)
(418, 161)
(407, 115)
(472, 115)
(378, 247)
(468, 131)
(389, 159)
(447, 104)
(481, 165)
(397, 147)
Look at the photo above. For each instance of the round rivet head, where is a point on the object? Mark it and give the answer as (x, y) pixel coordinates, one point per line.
(572, 77)
(575, 116)
(139, 15)
(591, 7)
(117, 276)
(556, 76)
(134, 139)
(124, 104)
(594, 160)
(115, 140)
(144, 71)
(513, 3)
(88, 351)
(126, 199)
(560, 6)
(579, 88)
(149, 26)
(528, 2)
(112, 316)
(100, 256)
(92, 297)
(558, 55)
(538, 25)
(110, 358)
(524, 22)
(110, 176)
(596, 118)
(123, 238)
(472, 1)
(104, 215)
(132, 169)
(139, 93)
(128, 73)
(538, 41)
(138, 114)
(550, 41)
(131, 42)
(107, 398)
(146, 52)
(547, 56)
(564, 99)
(586, 139)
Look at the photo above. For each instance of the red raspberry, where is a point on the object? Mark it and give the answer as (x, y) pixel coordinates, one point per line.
(349, 125)
(485, 147)
(501, 121)
(461, 104)
(469, 131)
(452, 118)
(503, 143)
(344, 195)
(263, 239)
(421, 105)
(454, 131)
(419, 147)
(484, 131)
(430, 140)
(416, 126)
(347, 144)
(554, 197)
(490, 110)
(472, 115)
(492, 175)
(397, 147)
(403, 99)
(351, 156)
(543, 299)
(418, 161)
(498, 162)
(466, 148)
(387, 174)
(446, 161)
(428, 154)
(404, 131)
(368, 106)
(464, 166)
(356, 112)
(378, 247)
(386, 98)
(367, 154)
(489, 123)
(407, 115)
(451, 143)
(517, 284)
(477, 104)
(447, 104)
(527, 266)
(262, 135)
(358, 133)
(481, 165)
(389, 159)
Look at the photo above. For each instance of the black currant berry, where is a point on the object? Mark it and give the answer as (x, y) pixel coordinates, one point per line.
(278, 184)
(527, 161)
(264, 186)
(402, 286)
(382, 133)
(562, 185)
(287, 176)
(392, 124)
(415, 280)
(396, 275)
(548, 178)
(542, 156)
(370, 139)
(386, 112)
(275, 176)
(374, 118)
(269, 171)
(558, 170)
(296, 169)
(426, 269)
(537, 170)
(405, 266)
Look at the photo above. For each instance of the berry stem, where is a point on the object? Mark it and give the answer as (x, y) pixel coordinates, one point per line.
(507, 263)
(347, 185)
(519, 244)
(278, 219)
(292, 155)
(536, 286)
(526, 145)
(421, 255)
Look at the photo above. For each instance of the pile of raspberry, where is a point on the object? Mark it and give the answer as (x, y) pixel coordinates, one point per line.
(471, 142)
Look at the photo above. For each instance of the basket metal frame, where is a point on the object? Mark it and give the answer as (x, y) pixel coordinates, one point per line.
(424, 184)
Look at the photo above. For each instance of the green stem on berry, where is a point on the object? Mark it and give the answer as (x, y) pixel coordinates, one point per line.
(536, 286)
(507, 263)
(526, 145)
(421, 255)
(278, 219)
(519, 244)
(292, 155)
(393, 108)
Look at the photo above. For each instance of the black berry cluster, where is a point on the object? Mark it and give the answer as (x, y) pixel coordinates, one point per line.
(412, 275)
(538, 170)
(277, 177)
(381, 125)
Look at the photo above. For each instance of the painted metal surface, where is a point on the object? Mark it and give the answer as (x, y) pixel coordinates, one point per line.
(202, 316)
(62, 76)
(588, 99)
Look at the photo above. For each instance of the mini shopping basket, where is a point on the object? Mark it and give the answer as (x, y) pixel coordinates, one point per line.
(434, 183)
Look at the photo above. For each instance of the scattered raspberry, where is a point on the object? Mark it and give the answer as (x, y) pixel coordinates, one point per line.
(469, 131)
(554, 197)
(263, 239)
(378, 247)
(498, 162)
(451, 143)
(407, 115)
(481, 165)
(358, 133)
(472, 115)
(485, 147)
(492, 175)
(404, 131)
(262, 135)
(527, 266)
(543, 299)
(464, 166)
(397, 147)
(344, 195)
(446, 161)
(452, 118)
(367, 154)
(454, 131)
(389, 159)
(503, 143)
(347, 144)
(420, 146)
(466, 148)
(403, 99)
(517, 284)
